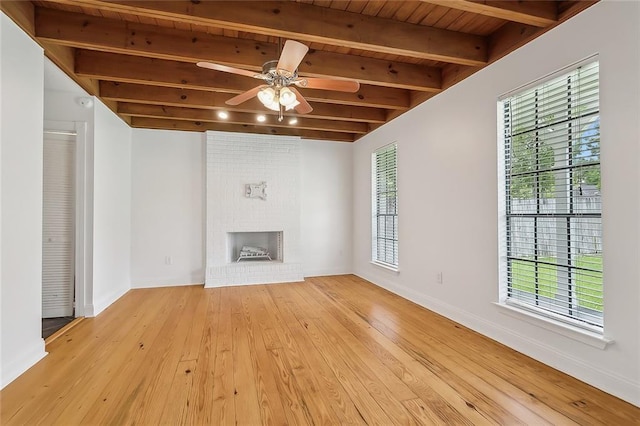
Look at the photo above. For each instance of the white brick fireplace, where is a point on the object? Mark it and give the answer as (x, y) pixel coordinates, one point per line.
(235, 219)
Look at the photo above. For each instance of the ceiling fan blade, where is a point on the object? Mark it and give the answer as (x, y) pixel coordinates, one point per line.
(351, 86)
(303, 107)
(232, 70)
(292, 55)
(237, 100)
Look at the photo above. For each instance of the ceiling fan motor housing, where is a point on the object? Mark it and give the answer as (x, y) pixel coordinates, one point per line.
(278, 77)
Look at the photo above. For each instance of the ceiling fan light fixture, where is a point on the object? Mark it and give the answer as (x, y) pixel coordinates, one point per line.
(287, 97)
(267, 96)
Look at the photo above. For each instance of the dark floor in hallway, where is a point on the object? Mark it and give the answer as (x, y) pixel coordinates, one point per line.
(51, 325)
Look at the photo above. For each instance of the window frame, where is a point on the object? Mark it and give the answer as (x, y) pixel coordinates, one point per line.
(570, 319)
(376, 258)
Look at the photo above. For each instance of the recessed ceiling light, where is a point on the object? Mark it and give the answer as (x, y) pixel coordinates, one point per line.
(261, 118)
(223, 115)
(293, 121)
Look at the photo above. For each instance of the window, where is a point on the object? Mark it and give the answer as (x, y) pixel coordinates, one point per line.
(551, 243)
(385, 206)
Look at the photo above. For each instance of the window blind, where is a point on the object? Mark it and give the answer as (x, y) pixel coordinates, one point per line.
(385, 206)
(553, 197)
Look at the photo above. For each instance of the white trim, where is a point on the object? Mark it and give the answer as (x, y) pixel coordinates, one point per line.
(550, 76)
(167, 282)
(105, 302)
(385, 266)
(374, 205)
(326, 272)
(581, 335)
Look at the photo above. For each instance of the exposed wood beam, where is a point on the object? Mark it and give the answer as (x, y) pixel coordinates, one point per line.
(199, 126)
(536, 13)
(505, 40)
(235, 117)
(134, 69)
(22, 13)
(110, 35)
(306, 22)
(140, 93)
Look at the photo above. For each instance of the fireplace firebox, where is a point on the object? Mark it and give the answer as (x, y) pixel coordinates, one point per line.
(254, 246)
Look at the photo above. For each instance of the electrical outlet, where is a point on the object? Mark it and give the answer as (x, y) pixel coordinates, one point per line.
(439, 278)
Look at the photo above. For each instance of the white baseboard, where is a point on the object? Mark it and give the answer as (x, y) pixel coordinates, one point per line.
(105, 302)
(327, 272)
(27, 359)
(594, 375)
(167, 282)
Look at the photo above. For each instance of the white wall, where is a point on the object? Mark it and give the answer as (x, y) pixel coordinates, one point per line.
(326, 198)
(21, 123)
(168, 208)
(447, 156)
(167, 204)
(112, 208)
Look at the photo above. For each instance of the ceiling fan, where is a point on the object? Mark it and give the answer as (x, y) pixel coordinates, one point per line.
(281, 78)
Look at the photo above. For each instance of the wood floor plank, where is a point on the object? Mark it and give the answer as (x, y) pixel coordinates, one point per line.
(466, 382)
(498, 359)
(56, 369)
(330, 350)
(301, 349)
(106, 385)
(449, 340)
(204, 378)
(295, 379)
(477, 393)
(223, 406)
(69, 384)
(247, 401)
(164, 356)
(356, 386)
(269, 393)
(443, 401)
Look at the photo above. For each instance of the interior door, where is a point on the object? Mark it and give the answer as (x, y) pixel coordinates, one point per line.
(58, 229)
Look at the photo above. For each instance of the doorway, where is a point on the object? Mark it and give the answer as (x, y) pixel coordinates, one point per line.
(58, 230)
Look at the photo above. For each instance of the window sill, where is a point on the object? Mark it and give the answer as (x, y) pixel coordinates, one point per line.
(587, 337)
(386, 266)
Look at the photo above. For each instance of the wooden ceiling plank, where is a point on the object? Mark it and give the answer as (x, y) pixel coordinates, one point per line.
(315, 24)
(111, 66)
(96, 33)
(235, 117)
(140, 93)
(198, 126)
(536, 13)
(133, 69)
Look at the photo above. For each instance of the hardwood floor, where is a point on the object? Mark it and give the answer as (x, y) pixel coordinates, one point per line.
(331, 350)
